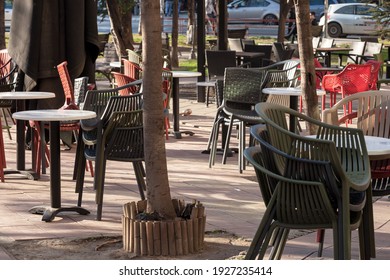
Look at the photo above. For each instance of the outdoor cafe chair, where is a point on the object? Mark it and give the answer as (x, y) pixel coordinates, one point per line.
(120, 140)
(120, 80)
(345, 149)
(242, 89)
(95, 100)
(216, 62)
(8, 74)
(281, 73)
(294, 199)
(96, 136)
(352, 79)
(371, 114)
(353, 56)
(284, 196)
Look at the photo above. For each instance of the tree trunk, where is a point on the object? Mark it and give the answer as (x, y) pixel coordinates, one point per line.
(121, 18)
(2, 26)
(158, 191)
(175, 35)
(308, 77)
(285, 6)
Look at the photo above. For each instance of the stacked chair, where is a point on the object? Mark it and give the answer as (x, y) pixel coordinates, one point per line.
(312, 183)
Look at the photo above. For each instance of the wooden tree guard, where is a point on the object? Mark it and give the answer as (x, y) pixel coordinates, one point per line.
(165, 238)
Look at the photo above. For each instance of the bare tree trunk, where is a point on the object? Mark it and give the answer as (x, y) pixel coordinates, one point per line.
(285, 6)
(158, 191)
(308, 77)
(121, 18)
(175, 34)
(2, 26)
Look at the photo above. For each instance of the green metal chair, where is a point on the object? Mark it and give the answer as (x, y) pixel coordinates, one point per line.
(371, 114)
(345, 150)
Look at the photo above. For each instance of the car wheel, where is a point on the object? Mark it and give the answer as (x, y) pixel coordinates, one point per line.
(334, 30)
(270, 20)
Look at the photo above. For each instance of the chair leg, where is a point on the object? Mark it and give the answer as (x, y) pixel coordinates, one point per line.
(98, 182)
(227, 141)
(139, 175)
(4, 110)
(2, 154)
(320, 241)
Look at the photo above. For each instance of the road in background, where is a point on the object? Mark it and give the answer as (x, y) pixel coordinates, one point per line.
(104, 26)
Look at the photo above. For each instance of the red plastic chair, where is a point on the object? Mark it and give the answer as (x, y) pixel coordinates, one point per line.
(121, 80)
(354, 78)
(131, 69)
(375, 69)
(69, 104)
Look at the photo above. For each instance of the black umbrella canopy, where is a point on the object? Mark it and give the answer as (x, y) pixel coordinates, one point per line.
(45, 33)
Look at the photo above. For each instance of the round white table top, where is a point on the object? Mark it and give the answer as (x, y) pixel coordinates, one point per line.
(185, 74)
(377, 146)
(290, 91)
(20, 95)
(54, 115)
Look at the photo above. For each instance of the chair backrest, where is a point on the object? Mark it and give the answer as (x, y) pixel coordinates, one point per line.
(245, 42)
(4, 59)
(266, 49)
(132, 69)
(121, 103)
(268, 174)
(326, 43)
(121, 80)
(283, 74)
(371, 114)
(235, 44)
(97, 100)
(375, 72)
(354, 55)
(372, 48)
(217, 61)
(134, 56)
(237, 33)
(80, 89)
(242, 86)
(66, 82)
(354, 78)
(280, 52)
(316, 42)
(124, 136)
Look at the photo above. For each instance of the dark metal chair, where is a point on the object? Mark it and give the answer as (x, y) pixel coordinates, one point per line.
(91, 138)
(344, 148)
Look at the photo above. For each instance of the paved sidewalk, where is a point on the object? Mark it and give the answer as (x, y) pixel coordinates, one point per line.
(232, 200)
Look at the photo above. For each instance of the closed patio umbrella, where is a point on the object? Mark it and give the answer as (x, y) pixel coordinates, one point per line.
(46, 33)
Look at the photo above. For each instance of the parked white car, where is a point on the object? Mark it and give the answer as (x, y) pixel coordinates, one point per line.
(254, 11)
(351, 19)
(318, 6)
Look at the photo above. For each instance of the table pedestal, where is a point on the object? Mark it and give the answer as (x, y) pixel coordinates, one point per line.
(176, 119)
(49, 213)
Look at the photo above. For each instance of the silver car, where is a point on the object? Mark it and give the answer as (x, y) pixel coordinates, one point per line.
(351, 19)
(254, 11)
